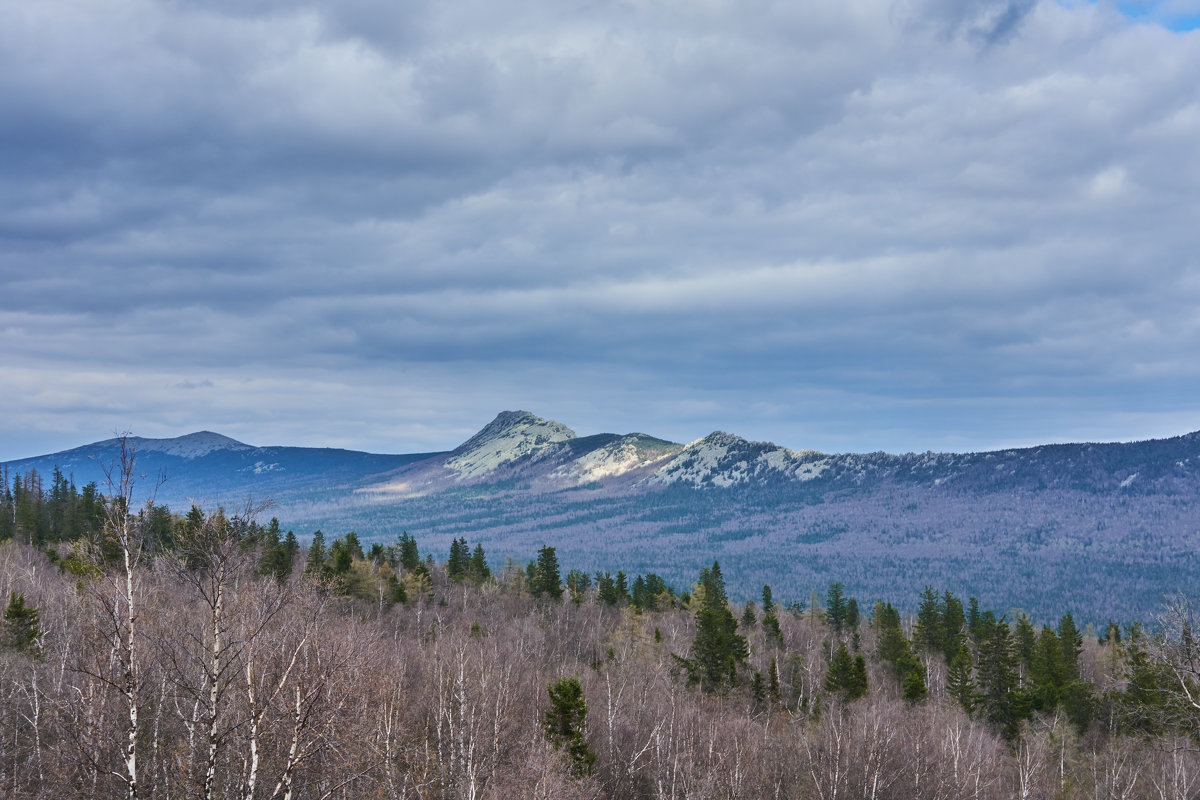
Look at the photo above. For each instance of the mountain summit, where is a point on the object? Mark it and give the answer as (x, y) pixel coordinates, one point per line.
(510, 436)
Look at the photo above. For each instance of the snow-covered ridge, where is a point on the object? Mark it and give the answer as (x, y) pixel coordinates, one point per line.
(192, 445)
(616, 458)
(510, 436)
(723, 459)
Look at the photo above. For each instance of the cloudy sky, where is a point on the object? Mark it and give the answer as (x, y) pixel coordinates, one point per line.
(854, 225)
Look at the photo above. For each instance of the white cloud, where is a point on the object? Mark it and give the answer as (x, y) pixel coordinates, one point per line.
(714, 208)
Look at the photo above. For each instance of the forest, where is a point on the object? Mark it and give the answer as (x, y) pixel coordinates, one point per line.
(208, 655)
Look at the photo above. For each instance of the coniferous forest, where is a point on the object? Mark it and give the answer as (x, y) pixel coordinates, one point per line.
(208, 655)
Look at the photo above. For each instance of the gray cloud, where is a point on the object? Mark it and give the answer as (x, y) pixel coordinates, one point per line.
(848, 226)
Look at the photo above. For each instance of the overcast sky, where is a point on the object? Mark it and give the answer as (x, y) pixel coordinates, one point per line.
(857, 225)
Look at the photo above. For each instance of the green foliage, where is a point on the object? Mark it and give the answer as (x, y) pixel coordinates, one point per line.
(315, 566)
(959, 684)
(21, 629)
(565, 724)
(459, 563)
(847, 675)
(836, 607)
(478, 569)
(999, 700)
(543, 575)
(717, 650)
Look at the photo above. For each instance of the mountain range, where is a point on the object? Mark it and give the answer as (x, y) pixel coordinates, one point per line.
(1107, 529)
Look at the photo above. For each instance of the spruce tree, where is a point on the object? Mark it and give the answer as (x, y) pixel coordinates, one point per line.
(997, 679)
(835, 607)
(959, 684)
(544, 578)
(929, 634)
(717, 650)
(21, 628)
(315, 566)
(478, 569)
(1071, 641)
(565, 724)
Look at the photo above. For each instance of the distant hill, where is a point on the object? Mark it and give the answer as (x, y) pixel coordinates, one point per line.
(1104, 529)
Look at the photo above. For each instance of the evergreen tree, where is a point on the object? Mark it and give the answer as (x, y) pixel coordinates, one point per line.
(773, 681)
(606, 589)
(929, 633)
(749, 617)
(544, 578)
(1026, 641)
(997, 679)
(959, 684)
(1047, 673)
(410, 559)
(954, 626)
(459, 562)
(577, 585)
(717, 650)
(622, 586)
(478, 568)
(315, 566)
(21, 628)
(770, 626)
(847, 674)
(835, 607)
(768, 604)
(1071, 641)
(565, 724)
(340, 559)
(852, 617)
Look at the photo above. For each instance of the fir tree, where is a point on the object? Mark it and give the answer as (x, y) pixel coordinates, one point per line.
(717, 650)
(749, 618)
(835, 607)
(997, 679)
(478, 568)
(847, 674)
(1071, 641)
(459, 562)
(929, 633)
(410, 559)
(959, 684)
(315, 566)
(544, 578)
(21, 628)
(565, 724)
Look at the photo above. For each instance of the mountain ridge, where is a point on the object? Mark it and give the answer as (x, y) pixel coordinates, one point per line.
(1108, 527)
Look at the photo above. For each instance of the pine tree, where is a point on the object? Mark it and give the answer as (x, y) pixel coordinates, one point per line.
(565, 724)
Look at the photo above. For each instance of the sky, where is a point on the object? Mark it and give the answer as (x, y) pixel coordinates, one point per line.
(899, 225)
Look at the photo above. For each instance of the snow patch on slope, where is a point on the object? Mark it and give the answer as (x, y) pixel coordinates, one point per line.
(510, 436)
(608, 461)
(722, 459)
